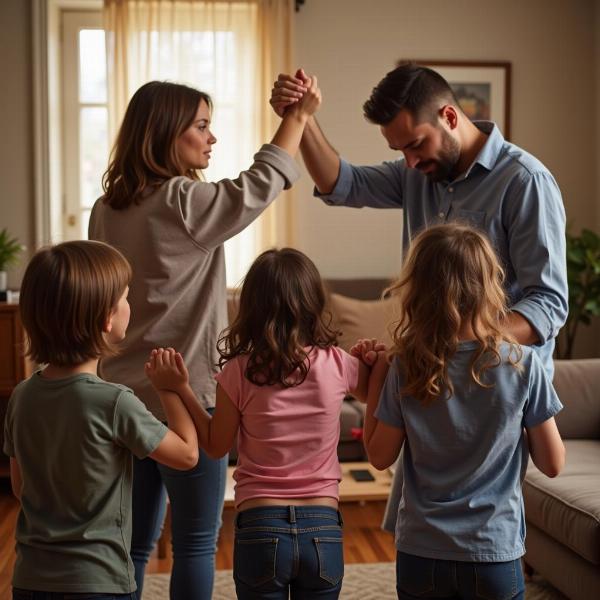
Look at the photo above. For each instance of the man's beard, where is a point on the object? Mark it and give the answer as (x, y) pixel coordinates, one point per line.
(445, 165)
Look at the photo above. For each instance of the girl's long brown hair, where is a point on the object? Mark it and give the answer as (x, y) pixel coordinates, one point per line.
(451, 275)
(145, 154)
(281, 313)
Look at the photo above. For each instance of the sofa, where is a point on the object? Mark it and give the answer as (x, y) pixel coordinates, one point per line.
(357, 312)
(563, 514)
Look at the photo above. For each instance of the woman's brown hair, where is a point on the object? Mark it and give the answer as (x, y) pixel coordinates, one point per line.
(145, 154)
(451, 276)
(67, 295)
(281, 313)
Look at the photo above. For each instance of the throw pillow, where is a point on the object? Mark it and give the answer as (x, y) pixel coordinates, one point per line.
(361, 319)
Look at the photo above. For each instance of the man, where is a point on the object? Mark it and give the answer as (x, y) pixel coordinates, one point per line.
(452, 169)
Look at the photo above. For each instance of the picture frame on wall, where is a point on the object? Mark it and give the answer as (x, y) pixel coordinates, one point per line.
(482, 88)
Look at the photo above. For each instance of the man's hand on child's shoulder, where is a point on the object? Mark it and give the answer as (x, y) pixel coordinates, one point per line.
(166, 369)
(367, 350)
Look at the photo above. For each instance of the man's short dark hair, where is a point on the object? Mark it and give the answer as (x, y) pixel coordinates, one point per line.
(411, 87)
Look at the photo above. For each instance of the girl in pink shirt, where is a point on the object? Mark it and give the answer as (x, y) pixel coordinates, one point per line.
(280, 392)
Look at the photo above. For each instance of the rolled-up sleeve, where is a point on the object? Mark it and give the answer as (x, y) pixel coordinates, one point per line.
(538, 254)
(378, 186)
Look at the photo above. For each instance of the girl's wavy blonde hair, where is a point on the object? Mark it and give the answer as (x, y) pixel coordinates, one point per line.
(451, 276)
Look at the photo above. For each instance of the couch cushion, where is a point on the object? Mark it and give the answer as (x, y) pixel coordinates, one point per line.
(568, 507)
(361, 319)
(577, 384)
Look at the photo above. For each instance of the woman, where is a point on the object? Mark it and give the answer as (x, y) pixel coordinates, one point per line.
(171, 225)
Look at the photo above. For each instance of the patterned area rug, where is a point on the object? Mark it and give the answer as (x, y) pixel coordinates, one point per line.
(375, 581)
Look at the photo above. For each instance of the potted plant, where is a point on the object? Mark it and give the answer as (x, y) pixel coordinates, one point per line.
(583, 275)
(9, 253)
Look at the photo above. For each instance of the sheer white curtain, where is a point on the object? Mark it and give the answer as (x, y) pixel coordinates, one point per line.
(231, 49)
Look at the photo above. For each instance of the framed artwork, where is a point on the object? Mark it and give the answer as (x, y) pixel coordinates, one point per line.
(482, 88)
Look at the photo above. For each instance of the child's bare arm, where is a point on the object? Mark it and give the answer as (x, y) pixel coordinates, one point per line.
(546, 447)
(16, 479)
(382, 442)
(179, 448)
(217, 432)
(360, 392)
(366, 351)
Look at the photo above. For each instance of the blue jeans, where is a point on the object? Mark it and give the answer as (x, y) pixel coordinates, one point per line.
(418, 577)
(288, 549)
(196, 498)
(19, 594)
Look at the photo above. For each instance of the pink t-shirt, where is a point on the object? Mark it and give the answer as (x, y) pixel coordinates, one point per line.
(287, 440)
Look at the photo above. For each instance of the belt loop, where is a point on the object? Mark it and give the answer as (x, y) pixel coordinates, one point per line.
(340, 518)
(292, 510)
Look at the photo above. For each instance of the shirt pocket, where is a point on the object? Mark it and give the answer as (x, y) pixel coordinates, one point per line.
(474, 218)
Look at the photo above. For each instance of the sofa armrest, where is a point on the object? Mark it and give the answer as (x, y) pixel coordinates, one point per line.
(577, 383)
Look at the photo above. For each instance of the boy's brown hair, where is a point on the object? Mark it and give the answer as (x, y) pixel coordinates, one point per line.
(67, 295)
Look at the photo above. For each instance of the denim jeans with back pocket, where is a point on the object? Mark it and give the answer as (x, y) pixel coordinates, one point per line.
(288, 549)
(418, 577)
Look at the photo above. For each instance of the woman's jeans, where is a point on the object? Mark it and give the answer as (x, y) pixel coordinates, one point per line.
(288, 548)
(19, 594)
(418, 577)
(196, 498)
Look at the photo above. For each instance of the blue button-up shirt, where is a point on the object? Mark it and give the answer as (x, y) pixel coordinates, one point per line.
(507, 193)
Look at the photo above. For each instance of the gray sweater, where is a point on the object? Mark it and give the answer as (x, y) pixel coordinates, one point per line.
(174, 242)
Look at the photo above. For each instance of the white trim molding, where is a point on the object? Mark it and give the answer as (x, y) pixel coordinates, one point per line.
(47, 117)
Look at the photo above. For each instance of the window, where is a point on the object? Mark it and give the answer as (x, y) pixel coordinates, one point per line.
(85, 118)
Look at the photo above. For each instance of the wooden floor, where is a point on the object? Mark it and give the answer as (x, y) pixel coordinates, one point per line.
(364, 541)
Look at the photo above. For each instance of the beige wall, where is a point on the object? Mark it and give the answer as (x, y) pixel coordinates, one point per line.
(554, 47)
(16, 127)
(550, 44)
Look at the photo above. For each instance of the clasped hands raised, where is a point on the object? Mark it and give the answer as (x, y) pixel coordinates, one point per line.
(289, 90)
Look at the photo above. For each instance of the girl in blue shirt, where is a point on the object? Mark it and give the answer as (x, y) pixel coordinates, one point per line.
(468, 404)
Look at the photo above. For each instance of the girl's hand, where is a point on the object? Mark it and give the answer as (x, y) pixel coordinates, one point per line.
(368, 350)
(166, 370)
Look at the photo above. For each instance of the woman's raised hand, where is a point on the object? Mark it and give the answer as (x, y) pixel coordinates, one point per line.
(297, 91)
(287, 90)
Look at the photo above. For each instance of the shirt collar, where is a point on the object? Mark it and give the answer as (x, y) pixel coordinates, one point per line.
(488, 155)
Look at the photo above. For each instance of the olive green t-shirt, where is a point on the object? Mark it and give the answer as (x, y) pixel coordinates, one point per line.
(73, 439)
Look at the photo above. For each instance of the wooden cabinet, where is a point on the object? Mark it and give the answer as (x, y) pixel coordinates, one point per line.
(14, 367)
